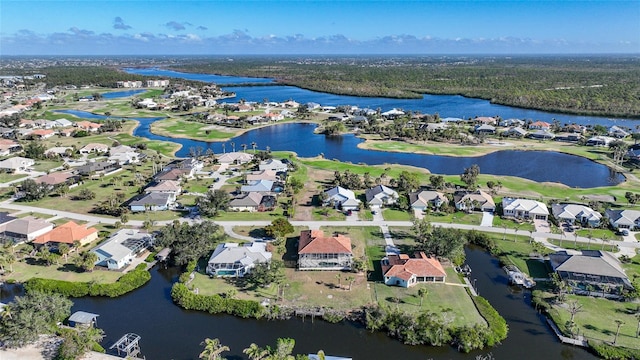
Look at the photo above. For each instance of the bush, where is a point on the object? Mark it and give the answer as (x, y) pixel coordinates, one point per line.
(498, 327)
(127, 282)
(609, 352)
(214, 304)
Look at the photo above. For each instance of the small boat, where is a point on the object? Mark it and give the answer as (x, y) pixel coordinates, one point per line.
(517, 277)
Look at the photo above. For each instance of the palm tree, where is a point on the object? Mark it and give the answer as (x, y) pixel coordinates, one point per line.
(233, 146)
(339, 277)
(254, 352)
(619, 323)
(636, 314)
(253, 146)
(223, 148)
(212, 349)
(422, 292)
(244, 147)
(63, 249)
(350, 279)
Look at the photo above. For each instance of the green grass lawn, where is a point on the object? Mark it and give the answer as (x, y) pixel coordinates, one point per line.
(197, 186)
(23, 272)
(34, 214)
(6, 177)
(598, 234)
(46, 165)
(396, 215)
(518, 253)
(190, 129)
(597, 319)
(248, 216)
(458, 217)
(440, 298)
(570, 244)
(327, 214)
(499, 222)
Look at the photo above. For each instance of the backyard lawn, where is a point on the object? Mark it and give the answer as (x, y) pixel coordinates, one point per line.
(597, 319)
(23, 272)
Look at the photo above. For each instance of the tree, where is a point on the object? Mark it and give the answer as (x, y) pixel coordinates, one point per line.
(439, 241)
(63, 250)
(264, 274)
(619, 149)
(213, 202)
(85, 194)
(77, 342)
(33, 191)
(279, 228)
(212, 349)
(254, 352)
(86, 261)
(437, 181)
(350, 280)
(470, 176)
(573, 307)
(189, 242)
(619, 324)
(35, 150)
(408, 182)
(422, 292)
(283, 350)
(31, 315)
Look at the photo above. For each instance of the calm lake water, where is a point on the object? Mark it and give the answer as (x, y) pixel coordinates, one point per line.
(121, 94)
(541, 166)
(169, 332)
(445, 105)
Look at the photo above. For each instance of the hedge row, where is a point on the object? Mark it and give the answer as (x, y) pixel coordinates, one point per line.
(128, 282)
(214, 304)
(497, 324)
(610, 352)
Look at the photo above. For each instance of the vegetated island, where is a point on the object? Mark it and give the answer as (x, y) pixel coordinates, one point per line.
(597, 85)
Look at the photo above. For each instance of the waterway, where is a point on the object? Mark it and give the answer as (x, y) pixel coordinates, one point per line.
(541, 166)
(121, 94)
(445, 105)
(169, 332)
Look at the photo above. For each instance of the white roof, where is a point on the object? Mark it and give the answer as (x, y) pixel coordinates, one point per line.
(340, 193)
(229, 253)
(574, 211)
(531, 206)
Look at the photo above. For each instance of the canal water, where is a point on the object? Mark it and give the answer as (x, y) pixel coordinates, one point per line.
(169, 332)
(541, 166)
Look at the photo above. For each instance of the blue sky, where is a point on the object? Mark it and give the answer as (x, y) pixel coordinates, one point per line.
(120, 27)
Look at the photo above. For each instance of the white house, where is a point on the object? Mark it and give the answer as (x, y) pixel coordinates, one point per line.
(618, 132)
(233, 259)
(477, 200)
(16, 163)
(524, 209)
(273, 164)
(576, 213)
(423, 199)
(624, 219)
(341, 197)
(121, 248)
(381, 195)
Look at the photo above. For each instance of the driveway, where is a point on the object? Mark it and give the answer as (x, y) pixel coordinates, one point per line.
(377, 213)
(487, 219)
(542, 226)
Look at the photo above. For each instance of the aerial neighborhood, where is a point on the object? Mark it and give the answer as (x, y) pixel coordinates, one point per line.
(87, 197)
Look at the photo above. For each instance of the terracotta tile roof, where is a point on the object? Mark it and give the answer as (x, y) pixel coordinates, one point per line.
(54, 178)
(403, 267)
(314, 242)
(66, 233)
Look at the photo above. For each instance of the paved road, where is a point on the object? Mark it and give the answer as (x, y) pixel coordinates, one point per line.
(628, 247)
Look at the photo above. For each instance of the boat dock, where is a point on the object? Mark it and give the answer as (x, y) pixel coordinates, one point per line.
(580, 341)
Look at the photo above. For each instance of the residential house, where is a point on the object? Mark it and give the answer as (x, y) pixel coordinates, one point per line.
(82, 319)
(262, 175)
(234, 158)
(591, 272)
(380, 195)
(486, 120)
(540, 125)
(401, 270)
(25, 229)
(517, 132)
(624, 219)
(94, 148)
(434, 127)
(260, 186)
(41, 134)
(422, 200)
(121, 248)
(599, 141)
(98, 168)
(57, 178)
(524, 209)
(273, 164)
(66, 132)
(541, 135)
(511, 123)
(124, 154)
(171, 187)
(568, 137)
(485, 129)
(151, 202)
(290, 104)
(392, 114)
(576, 213)
(68, 233)
(476, 200)
(8, 147)
(5, 217)
(58, 151)
(88, 126)
(341, 197)
(62, 123)
(618, 132)
(16, 163)
(247, 202)
(319, 252)
(235, 260)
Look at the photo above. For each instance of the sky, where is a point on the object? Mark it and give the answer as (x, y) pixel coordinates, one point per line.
(223, 27)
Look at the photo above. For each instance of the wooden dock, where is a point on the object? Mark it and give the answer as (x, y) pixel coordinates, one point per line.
(566, 340)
